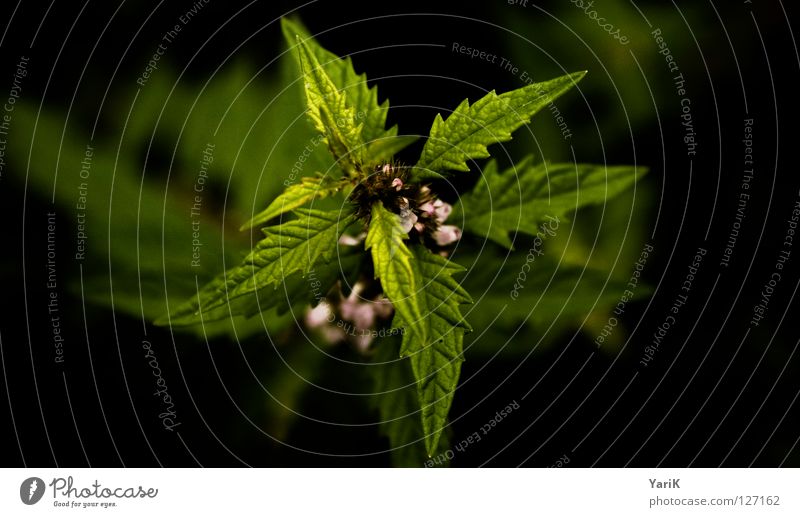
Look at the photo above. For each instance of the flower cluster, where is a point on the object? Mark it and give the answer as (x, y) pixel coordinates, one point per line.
(353, 318)
(421, 213)
(439, 211)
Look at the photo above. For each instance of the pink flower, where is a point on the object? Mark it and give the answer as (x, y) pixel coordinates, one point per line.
(442, 210)
(332, 334)
(319, 315)
(364, 316)
(447, 234)
(349, 305)
(383, 307)
(427, 208)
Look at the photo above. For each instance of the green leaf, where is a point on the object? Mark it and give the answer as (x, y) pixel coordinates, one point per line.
(426, 299)
(294, 196)
(470, 129)
(359, 96)
(295, 291)
(392, 260)
(384, 148)
(381, 143)
(436, 359)
(525, 195)
(289, 248)
(395, 398)
(328, 109)
(364, 100)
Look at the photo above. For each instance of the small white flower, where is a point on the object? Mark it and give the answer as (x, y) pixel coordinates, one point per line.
(358, 288)
(427, 208)
(407, 218)
(364, 316)
(447, 234)
(349, 240)
(348, 308)
(383, 307)
(332, 335)
(349, 305)
(319, 315)
(442, 210)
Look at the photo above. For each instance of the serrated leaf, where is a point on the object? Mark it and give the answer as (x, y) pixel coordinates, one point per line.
(426, 299)
(294, 291)
(295, 196)
(381, 143)
(436, 360)
(398, 407)
(364, 100)
(468, 131)
(520, 198)
(392, 260)
(288, 248)
(328, 108)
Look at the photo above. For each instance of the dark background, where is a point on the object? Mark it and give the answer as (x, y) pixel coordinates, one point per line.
(716, 393)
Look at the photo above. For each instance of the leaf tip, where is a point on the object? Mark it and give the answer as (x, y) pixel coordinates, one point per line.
(577, 76)
(432, 443)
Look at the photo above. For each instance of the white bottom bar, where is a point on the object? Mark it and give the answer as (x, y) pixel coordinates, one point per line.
(390, 492)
